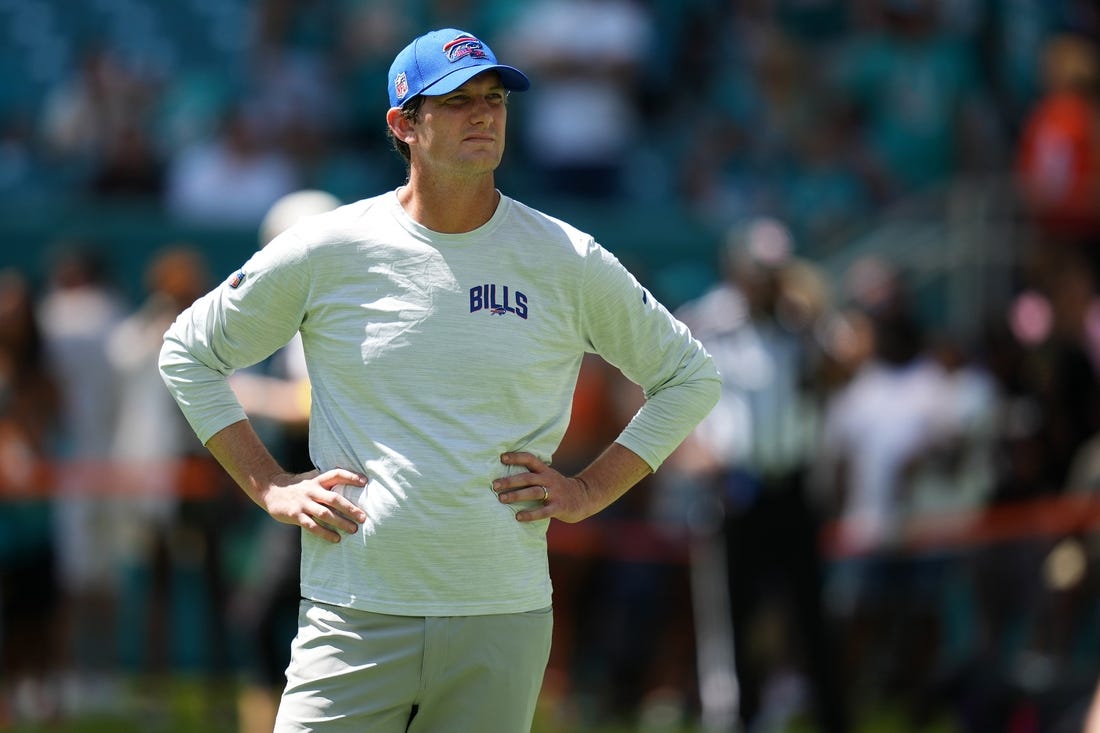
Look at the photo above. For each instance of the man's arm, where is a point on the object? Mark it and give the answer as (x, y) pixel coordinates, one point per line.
(571, 499)
(307, 500)
(1092, 718)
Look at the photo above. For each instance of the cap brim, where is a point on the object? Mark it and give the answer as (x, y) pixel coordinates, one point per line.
(512, 78)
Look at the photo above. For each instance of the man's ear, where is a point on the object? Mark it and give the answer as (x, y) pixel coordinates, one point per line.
(400, 126)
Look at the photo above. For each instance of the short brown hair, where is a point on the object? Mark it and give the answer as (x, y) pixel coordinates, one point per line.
(410, 110)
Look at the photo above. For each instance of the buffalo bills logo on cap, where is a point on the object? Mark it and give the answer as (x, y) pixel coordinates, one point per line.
(462, 47)
(441, 61)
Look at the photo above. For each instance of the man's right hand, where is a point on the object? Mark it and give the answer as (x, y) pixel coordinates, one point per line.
(310, 500)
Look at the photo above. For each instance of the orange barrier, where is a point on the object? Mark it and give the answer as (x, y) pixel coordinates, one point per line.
(200, 478)
(196, 477)
(626, 540)
(1044, 518)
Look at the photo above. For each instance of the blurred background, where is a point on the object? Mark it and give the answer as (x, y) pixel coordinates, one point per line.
(881, 216)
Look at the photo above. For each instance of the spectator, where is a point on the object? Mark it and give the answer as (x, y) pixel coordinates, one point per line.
(231, 180)
(824, 196)
(293, 70)
(19, 166)
(84, 113)
(29, 413)
(131, 167)
(1046, 392)
(1058, 155)
(758, 323)
(78, 313)
(160, 465)
(915, 92)
(880, 429)
(589, 56)
(366, 31)
(761, 106)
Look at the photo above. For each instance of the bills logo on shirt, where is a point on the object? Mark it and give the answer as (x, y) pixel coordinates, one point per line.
(499, 300)
(236, 279)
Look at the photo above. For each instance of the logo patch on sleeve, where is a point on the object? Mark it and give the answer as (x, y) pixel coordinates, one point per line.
(236, 280)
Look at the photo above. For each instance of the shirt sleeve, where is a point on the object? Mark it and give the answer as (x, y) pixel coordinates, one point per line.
(239, 323)
(629, 328)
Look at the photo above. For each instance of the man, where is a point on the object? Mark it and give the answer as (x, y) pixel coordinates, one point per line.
(756, 449)
(443, 325)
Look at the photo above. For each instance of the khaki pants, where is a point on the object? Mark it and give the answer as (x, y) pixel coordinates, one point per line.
(358, 671)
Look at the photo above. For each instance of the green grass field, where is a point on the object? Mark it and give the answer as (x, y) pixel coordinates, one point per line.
(880, 723)
(198, 706)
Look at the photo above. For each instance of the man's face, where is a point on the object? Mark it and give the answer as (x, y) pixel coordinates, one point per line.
(463, 131)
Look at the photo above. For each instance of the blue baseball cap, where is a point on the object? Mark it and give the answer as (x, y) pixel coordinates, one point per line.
(441, 61)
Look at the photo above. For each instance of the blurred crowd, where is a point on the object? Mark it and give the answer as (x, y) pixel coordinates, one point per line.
(836, 536)
(817, 112)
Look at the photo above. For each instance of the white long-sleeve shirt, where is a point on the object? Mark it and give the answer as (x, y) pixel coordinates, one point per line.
(430, 355)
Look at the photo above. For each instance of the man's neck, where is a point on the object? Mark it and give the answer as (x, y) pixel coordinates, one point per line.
(449, 206)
